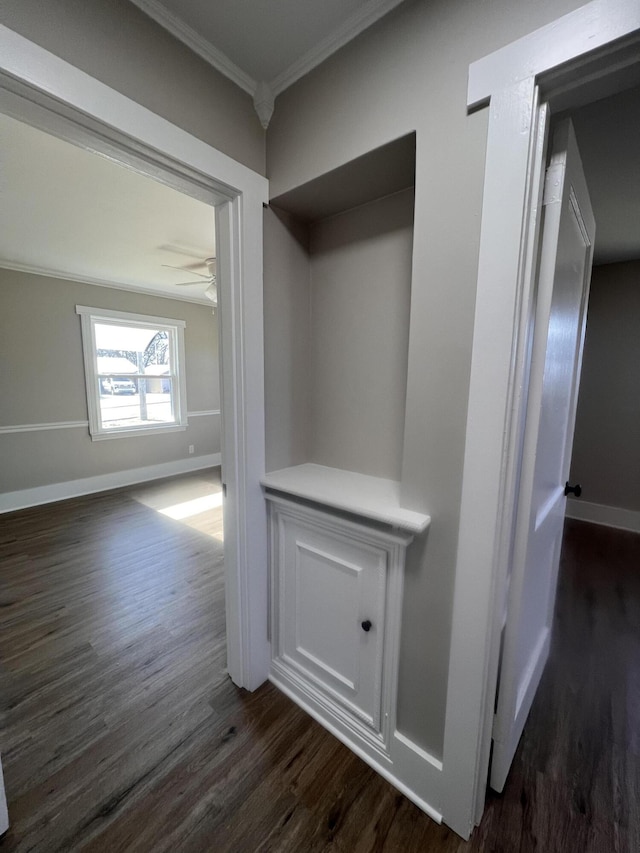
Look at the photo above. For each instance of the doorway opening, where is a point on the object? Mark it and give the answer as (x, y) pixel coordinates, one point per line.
(584, 56)
(607, 425)
(47, 93)
(113, 602)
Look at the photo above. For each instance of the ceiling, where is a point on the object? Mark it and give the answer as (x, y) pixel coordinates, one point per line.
(72, 213)
(273, 42)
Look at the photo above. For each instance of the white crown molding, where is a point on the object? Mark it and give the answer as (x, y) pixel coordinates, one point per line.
(364, 17)
(193, 40)
(47, 272)
(264, 102)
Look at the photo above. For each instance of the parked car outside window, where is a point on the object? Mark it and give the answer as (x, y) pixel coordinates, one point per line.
(119, 385)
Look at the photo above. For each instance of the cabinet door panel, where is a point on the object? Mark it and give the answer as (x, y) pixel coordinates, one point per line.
(330, 586)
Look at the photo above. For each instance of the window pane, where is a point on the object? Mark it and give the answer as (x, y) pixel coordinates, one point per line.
(157, 355)
(125, 406)
(132, 349)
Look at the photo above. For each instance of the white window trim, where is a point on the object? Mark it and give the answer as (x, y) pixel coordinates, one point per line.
(89, 317)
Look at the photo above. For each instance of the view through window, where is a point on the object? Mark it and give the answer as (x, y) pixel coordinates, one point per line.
(134, 381)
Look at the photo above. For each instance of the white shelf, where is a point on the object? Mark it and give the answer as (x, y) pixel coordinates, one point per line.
(371, 497)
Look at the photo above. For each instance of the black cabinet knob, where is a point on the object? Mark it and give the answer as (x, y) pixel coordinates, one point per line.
(572, 490)
(366, 625)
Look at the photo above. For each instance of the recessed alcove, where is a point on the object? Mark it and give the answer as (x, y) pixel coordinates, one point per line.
(337, 311)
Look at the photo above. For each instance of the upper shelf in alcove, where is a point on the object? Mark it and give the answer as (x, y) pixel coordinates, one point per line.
(371, 497)
(376, 174)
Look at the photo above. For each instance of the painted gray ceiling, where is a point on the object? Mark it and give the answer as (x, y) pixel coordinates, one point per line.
(272, 41)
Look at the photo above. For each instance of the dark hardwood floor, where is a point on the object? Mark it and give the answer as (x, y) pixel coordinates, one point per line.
(121, 731)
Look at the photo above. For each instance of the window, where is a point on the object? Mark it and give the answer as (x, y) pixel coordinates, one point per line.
(134, 369)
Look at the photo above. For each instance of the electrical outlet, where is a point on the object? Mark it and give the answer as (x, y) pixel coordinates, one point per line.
(191, 449)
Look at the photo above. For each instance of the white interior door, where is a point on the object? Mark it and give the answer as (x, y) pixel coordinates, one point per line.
(558, 336)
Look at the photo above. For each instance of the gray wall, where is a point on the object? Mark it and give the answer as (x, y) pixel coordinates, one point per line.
(119, 45)
(338, 291)
(287, 303)
(606, 449)
(409, 73)
(42, 381)
(360, 296)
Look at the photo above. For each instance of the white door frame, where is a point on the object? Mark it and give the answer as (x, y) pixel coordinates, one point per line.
(593, 43)
(43, 90)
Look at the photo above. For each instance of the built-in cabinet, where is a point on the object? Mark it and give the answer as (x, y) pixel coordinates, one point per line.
(336, 598)
(339, 530)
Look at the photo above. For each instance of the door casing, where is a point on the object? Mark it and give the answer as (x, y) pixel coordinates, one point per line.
(584, 55)
(40, 89)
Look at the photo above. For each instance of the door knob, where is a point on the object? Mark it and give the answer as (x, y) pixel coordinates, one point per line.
(572, 490)
(366, 625)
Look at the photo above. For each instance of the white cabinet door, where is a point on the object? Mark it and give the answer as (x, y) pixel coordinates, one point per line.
(563, 285)
(333, 598)
(336, 599)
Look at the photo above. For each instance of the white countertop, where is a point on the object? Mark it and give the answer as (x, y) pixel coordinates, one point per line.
(371, 497)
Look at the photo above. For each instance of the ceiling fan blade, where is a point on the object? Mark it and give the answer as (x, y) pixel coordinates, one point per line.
(188, 251)
(187, 269)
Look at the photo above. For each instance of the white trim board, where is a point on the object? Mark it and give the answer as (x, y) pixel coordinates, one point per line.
(6, 430)
(205, 413)
(43, 90)
(24, 498)
(426, 770)
(4, 814)
(586, 46)
(608, 516)
(579, 32)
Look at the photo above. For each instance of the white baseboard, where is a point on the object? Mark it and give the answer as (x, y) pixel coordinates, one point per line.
(422, 773)
(4, 815)
(609, 516)
(10, 501)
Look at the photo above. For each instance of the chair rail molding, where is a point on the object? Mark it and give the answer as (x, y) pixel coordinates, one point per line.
(11, 428)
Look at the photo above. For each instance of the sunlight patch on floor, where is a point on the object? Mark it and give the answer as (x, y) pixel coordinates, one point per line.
(186, 509)
(194, 502)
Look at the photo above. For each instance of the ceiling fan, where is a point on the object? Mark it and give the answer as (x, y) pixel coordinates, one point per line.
(209, 277)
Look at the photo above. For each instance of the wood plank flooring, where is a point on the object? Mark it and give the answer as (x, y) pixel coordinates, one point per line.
(121, 731)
